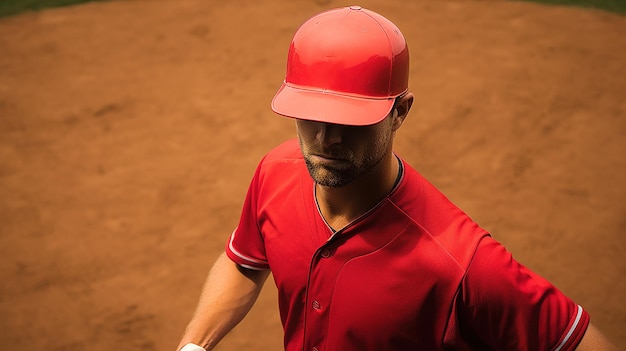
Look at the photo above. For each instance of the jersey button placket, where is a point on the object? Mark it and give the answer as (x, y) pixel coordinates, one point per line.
(325, 253)
(322, 277)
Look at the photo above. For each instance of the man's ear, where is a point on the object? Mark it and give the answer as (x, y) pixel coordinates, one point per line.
(401, 110)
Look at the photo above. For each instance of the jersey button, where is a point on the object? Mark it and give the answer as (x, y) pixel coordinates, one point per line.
(326, 253)
(316, 305)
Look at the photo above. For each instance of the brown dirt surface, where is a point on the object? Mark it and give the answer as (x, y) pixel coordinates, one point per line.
(129, 131)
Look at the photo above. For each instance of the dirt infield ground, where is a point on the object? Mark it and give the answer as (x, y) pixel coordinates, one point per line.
(129, 131)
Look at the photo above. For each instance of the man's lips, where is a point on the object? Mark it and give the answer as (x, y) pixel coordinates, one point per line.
(327, 158)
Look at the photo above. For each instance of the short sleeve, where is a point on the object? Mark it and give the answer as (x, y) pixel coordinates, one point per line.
(245, 245)
(503, 305)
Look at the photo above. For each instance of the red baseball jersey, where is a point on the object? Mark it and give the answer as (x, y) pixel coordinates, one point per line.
(413, 273)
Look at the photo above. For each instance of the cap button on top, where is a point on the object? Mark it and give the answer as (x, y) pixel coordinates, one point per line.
(355, 7)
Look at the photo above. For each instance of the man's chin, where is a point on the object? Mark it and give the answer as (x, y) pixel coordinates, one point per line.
(326, 175)
(329, 179)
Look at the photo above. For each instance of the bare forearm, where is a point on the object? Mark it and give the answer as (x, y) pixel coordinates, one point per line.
(228, 294)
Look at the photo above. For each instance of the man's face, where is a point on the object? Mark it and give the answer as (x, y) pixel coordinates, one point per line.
(336, 155)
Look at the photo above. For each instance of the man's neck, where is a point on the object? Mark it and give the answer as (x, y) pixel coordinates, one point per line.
(341, 206)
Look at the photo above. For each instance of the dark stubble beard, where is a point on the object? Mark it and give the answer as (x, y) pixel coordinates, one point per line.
(347, 172)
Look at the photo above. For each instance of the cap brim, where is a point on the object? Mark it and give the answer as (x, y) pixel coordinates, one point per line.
(327, 107)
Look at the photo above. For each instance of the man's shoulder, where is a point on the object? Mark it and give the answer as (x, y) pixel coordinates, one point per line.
(444, 222)
(281, 172)
(285, 161)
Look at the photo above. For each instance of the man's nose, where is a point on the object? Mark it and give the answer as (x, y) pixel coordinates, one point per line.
(329, 134)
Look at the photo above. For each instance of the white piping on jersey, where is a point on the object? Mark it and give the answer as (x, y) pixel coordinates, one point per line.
(242, 256)
(571, 330)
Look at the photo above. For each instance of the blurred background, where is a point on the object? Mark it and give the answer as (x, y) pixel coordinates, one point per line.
(129, 131)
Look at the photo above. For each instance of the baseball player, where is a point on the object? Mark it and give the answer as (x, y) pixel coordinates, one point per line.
(366, 253)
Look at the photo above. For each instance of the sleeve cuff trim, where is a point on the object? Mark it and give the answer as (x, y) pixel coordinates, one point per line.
(253, 263)
(571, 330)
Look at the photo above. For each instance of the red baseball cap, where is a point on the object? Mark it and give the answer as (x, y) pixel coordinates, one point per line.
(344, 66)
